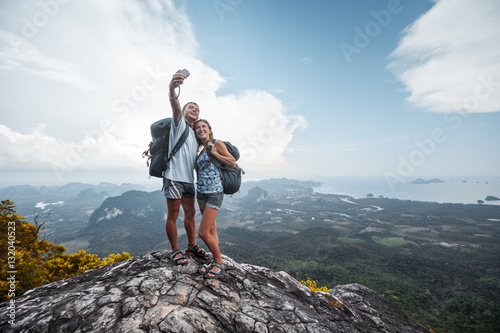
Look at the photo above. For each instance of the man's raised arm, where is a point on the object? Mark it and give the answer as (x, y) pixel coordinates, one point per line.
(177, 80)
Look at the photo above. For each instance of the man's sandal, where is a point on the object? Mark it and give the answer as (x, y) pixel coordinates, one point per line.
(197, 251)
(215, 274)
(181, 257)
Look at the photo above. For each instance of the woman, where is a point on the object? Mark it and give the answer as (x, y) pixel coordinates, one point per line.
(209, 193)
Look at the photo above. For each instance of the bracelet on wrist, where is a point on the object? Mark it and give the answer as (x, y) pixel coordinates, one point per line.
(177, 96)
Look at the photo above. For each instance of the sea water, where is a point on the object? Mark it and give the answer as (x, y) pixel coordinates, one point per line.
(466, 190)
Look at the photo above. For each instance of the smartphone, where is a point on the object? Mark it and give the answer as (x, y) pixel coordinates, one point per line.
(184, 72)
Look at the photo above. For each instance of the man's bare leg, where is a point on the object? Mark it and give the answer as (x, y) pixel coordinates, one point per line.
(173, 206)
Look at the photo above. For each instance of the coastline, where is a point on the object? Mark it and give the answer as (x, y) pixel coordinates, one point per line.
(461, 190)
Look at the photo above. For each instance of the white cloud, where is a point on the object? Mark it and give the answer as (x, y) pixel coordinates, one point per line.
(39, 151)
(18, 54)
(258, 124)
(97, 86)
(448, 58)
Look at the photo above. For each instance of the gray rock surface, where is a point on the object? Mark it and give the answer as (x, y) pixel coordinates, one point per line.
(151, 294)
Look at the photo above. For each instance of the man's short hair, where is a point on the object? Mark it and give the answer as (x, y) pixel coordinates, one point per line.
(185, 106)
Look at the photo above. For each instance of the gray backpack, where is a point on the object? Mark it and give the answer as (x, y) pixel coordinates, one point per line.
(158, 161)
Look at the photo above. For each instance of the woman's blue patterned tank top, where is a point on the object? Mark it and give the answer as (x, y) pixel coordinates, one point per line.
(208, 175)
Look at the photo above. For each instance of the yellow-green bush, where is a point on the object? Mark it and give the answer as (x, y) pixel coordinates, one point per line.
(29, 261)
(313, 285)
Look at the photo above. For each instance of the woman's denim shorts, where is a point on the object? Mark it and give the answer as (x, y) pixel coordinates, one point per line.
(212, 200)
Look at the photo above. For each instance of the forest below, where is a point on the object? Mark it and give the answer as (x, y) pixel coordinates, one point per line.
(444, 289)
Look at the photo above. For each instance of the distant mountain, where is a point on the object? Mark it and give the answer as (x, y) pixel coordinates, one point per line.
(282, 184)
(256, 197)
(70, 189)
(133, 222)
(66, 208)
(430, 181)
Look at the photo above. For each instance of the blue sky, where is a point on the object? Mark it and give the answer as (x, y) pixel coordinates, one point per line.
(395, 89)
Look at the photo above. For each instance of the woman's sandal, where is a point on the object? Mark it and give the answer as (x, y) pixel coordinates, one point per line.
(176, 260)
(215, 274)
(206, 267)
(197, 251)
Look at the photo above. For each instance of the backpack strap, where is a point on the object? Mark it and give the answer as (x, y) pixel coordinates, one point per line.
(212, 158)
(178, 144)
(221, 165)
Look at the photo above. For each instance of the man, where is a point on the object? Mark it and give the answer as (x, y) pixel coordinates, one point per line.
(178, 179)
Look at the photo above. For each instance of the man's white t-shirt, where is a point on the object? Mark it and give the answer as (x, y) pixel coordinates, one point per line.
(181, 166)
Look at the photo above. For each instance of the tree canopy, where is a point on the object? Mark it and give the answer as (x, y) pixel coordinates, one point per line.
(30, 260)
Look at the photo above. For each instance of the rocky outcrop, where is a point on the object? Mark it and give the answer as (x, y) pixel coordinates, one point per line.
(256, 195)
(151, 294)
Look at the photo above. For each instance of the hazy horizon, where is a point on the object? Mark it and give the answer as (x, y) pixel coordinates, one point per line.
(48, 178)
(455, 189)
